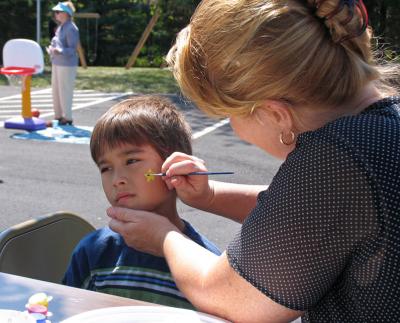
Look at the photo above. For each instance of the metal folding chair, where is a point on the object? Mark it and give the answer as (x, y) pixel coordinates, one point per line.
(41, 248)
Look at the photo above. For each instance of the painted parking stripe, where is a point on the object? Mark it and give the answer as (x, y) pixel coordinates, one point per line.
(81, 106)
(210, 129)
(19, 95)
(10, 106)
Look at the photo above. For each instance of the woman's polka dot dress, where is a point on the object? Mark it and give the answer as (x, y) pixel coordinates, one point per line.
(325, 237)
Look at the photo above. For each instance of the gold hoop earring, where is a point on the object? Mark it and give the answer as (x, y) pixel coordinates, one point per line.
(292, 139)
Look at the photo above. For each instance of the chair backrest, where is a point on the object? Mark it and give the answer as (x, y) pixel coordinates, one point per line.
(21, 52)
(41, 248)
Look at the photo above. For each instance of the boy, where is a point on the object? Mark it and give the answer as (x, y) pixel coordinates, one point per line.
(132, 138)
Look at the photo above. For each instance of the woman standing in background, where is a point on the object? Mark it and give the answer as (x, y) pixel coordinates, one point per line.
(64, 59)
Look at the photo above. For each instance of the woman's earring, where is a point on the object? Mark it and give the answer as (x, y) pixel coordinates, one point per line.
(292, 139)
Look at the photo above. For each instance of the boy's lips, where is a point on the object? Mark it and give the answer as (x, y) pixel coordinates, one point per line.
(121, 196)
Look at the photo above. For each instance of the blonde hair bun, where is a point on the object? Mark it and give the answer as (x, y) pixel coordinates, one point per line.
(236, 54)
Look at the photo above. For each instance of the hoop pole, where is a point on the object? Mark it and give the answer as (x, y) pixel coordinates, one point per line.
(38, 10)
(26, 96)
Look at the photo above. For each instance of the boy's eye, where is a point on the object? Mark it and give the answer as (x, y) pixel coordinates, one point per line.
(104, 169)
(131, 161)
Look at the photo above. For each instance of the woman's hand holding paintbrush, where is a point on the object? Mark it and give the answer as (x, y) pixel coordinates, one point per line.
(192, 190)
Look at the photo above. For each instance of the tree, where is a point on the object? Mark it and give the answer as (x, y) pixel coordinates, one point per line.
(384, 15)
(122, 23)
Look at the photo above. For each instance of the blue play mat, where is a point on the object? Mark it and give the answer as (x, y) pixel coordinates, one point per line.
(64, 134)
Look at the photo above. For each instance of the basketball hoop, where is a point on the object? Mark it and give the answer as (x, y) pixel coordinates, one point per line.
(16, 75)
(23, 58)
(13, 70)
(22, 76)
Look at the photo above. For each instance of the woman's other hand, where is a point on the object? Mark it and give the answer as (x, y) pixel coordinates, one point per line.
(142, 230)
(56, 51)
(195, 191)
(52, 50)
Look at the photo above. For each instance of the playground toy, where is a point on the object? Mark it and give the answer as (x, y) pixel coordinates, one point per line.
(84, 29)
(143, 38)
(35, 113)
(23, 58)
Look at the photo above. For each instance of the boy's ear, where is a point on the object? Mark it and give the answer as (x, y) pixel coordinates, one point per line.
(277, 112)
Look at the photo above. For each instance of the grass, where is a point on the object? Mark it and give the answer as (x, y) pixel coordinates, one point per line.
(114, 79)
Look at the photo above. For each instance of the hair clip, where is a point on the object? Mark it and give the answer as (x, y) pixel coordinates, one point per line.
(351, 5)
(360, 7)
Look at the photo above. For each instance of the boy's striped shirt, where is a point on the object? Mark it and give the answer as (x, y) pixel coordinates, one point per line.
(102, 262)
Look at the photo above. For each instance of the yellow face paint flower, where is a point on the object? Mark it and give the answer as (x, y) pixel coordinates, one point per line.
(149, 176)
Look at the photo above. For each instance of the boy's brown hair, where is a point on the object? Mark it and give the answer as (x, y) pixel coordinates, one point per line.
(142, 120)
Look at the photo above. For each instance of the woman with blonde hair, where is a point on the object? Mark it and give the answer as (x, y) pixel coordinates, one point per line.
(298, 79)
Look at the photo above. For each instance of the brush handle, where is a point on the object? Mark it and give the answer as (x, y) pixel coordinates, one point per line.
(197, 173)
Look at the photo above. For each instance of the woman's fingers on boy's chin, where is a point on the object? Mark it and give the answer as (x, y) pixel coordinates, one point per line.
(116, 213)
(111, 212)
(121, 214)
(116, 226)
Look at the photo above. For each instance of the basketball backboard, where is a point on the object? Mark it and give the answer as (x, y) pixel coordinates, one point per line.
(21, 52)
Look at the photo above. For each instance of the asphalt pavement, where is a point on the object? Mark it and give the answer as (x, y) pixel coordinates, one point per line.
(38, 177)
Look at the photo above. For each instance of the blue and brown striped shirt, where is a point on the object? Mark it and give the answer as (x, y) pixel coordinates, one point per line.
(103, 262)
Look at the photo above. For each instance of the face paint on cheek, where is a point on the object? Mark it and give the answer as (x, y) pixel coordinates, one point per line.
(149, 176)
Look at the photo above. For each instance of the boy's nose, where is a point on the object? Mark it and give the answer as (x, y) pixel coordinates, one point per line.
(119, 179)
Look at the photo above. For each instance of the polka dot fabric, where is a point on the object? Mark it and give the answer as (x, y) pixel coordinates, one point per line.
(325, 237)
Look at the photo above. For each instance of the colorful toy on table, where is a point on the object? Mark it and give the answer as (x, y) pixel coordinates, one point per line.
(37, 308)
(39, 318)
(38, 305)
(40, 299)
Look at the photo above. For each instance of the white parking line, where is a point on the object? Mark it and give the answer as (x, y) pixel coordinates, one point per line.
(38, 99)
(19, 95)
(39, 102)
(82, 99)
(18, 111)
(81, 106)
(210, 129)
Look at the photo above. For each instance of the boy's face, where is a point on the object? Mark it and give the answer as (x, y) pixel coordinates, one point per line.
(123, 171)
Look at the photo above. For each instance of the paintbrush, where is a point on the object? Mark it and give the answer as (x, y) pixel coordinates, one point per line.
(193, 173)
